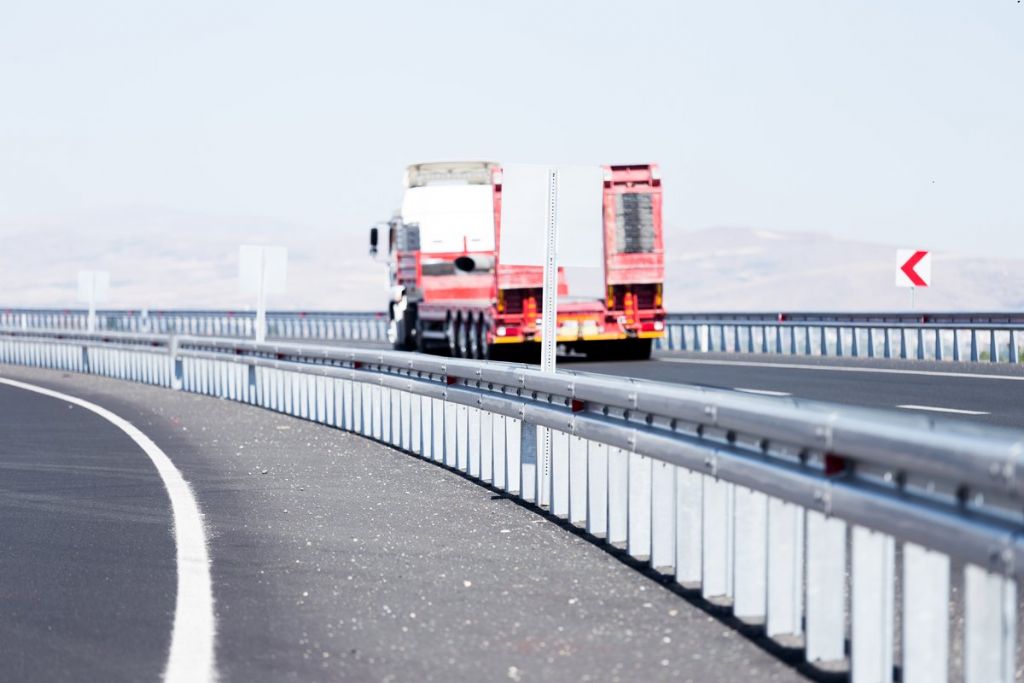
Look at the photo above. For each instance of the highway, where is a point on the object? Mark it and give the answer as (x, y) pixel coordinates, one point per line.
(966, 391)
(976, 392)
(332, 557)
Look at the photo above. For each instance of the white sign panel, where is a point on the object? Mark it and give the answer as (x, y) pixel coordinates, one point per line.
(524, 206)
(269, 264)
(913, 268)
(93, 285)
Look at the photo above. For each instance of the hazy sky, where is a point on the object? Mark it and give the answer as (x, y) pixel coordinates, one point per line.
(900, 122)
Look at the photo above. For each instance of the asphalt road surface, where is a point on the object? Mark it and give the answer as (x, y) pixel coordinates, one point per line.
(976, 392)
(332, 558)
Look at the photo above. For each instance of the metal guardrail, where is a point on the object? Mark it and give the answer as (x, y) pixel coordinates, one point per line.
(992, 337)
(887, 544)
(977, 337)
(320, 325)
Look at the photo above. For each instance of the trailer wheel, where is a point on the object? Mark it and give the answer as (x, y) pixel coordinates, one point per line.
(421, 346)
(473, 336)
(462, 334)
(483, 330)
(450, 334)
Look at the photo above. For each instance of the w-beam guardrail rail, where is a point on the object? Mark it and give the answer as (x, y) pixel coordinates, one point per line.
(993, 337)
(977, 337)
(320, 325)
(885, 543)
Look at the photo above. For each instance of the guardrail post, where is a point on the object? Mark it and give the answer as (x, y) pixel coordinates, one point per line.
(839, 342)
(956, 345)
(251, 377)
(938, 345)
(807, 340)
(974, 346)
(990, 625)
(925, 614)
(993, 351)
(785, 569)
(778, 339)
(871, 605)
(1014, 357)
(177, 365)
(871, 342)
(822, 341)
(826, 577)
(887, 353)
(85, 359)
(855, 342)
(903, 343)
(920, 344)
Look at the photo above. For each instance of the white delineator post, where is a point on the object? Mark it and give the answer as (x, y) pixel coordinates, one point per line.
(549, 321)
(91, 320)
(262, 271)
(93, 287)
(261, 299)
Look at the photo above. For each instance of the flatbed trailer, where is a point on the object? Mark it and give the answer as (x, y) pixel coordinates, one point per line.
(452, 294)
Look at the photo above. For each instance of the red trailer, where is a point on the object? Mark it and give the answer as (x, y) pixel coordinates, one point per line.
(451, 293)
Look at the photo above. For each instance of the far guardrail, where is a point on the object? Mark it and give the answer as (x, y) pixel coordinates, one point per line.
(887, 545)
(977, 337)
(991, 337)
(326, 325)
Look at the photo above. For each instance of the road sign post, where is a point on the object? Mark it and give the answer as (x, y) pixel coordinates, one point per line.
(93, 287)
(913, 270)
(262, 271)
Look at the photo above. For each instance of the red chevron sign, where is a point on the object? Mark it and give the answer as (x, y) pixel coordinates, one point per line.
(913, 268)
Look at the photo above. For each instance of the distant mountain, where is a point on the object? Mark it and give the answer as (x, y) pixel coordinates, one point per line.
(748, 269)
(164, 259)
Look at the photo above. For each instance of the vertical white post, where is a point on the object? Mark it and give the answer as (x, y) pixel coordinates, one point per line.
(261, 300)
(549, 316)
(92, 301)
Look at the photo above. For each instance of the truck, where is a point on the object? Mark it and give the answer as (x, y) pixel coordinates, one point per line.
(451, 293)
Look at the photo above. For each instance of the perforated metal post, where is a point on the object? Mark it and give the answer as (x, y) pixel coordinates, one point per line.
(549, 314)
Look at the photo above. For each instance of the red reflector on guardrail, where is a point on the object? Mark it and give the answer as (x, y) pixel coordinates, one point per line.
(834, 465)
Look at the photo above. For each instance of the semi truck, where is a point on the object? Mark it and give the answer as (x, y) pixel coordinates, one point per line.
(452, 294)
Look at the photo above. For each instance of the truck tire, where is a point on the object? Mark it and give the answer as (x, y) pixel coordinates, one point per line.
(451, 336)
(402, 328)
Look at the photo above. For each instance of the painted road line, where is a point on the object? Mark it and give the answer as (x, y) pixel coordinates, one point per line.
(840, 368)
(936, 409)
(762, 392)
(191, 656)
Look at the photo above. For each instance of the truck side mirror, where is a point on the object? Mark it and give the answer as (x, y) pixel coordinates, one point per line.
(373, 241)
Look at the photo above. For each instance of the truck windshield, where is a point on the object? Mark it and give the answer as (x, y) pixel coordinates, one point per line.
(634, 223)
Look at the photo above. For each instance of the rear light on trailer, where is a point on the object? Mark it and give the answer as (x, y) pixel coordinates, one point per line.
(501, 301)
(657, 296)
(611, 297)
(658, 326)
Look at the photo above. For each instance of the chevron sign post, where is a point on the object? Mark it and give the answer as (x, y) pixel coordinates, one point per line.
(913, 268)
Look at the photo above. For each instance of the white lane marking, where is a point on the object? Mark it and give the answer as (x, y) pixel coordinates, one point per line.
(936, 409)
(191, 656)
(840, 368)
(762, 392)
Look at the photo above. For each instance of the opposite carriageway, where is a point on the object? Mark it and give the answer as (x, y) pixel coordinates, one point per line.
(774, 508)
